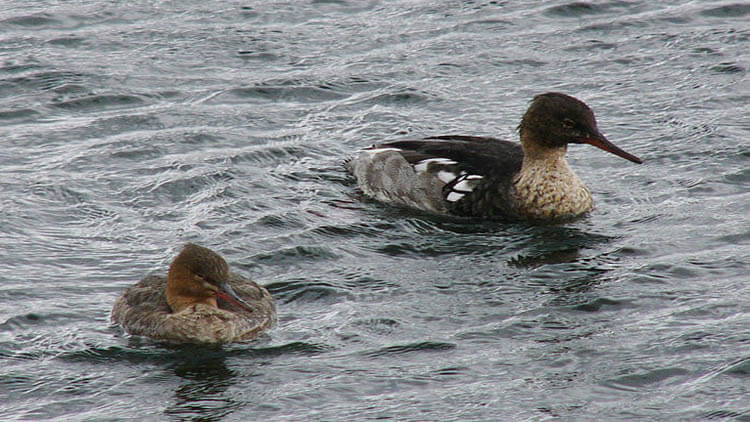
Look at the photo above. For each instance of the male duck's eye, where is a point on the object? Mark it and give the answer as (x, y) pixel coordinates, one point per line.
(568, 124)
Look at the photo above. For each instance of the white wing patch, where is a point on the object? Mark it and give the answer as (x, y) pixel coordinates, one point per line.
(440, 167)
(446, 176)
(457, 184)
(463, 184)
(375, 151)
(423, 165)
(454, 196)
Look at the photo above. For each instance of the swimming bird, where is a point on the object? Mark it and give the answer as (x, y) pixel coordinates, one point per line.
(199, 301)
(490, 178)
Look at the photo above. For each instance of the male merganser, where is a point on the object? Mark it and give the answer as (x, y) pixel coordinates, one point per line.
(487, 177)
(199, 301)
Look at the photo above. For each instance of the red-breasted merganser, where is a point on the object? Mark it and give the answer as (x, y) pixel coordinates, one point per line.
(200, 301)
(488, 177)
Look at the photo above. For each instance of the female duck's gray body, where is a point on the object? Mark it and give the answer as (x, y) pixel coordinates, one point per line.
(200, 301)
(487, 177)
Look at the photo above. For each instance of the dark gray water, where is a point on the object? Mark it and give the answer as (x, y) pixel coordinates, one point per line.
(129, 128)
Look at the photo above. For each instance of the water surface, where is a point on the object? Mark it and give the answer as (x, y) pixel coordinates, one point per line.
(131, 128)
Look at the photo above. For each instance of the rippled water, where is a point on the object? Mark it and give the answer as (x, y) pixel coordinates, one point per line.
(129, 128)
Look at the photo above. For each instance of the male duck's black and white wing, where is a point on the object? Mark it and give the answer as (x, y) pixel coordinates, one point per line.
(460, 175)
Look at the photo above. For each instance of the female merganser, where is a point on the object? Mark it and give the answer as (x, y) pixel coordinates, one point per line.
(487, 177)
(199, 301)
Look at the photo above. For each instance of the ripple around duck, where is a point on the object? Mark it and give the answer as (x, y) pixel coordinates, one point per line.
(724, 414)
(69, 41)
(359, 283)
(600, 304)
(98, 103)
(18, 116)
(144, 350)
(295, 347)
(111, 127)
(540, 259)
(20, 322)
(296, 254)
(735, 239)
(592, 45)
(55, 192)
(56, 81)
(643, 380)
(377, 326)
(425, 346)
(273, 152)
(577, 9)
(740, 368)
(737, 10)
(305, 290)
(270, 93)
(395, 97)
(728, 67)
(180, 185)
(38, 21)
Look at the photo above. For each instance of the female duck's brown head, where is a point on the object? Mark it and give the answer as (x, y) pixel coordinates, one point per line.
(199, 275)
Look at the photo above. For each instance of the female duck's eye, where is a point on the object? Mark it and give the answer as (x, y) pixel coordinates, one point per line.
(568, 124)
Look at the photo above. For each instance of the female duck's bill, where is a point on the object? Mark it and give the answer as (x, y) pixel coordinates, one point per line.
(200, 301)
(226, 292)
(485, 177)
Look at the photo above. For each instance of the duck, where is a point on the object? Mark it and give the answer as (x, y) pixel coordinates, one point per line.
(199, 301)
(486, 177)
